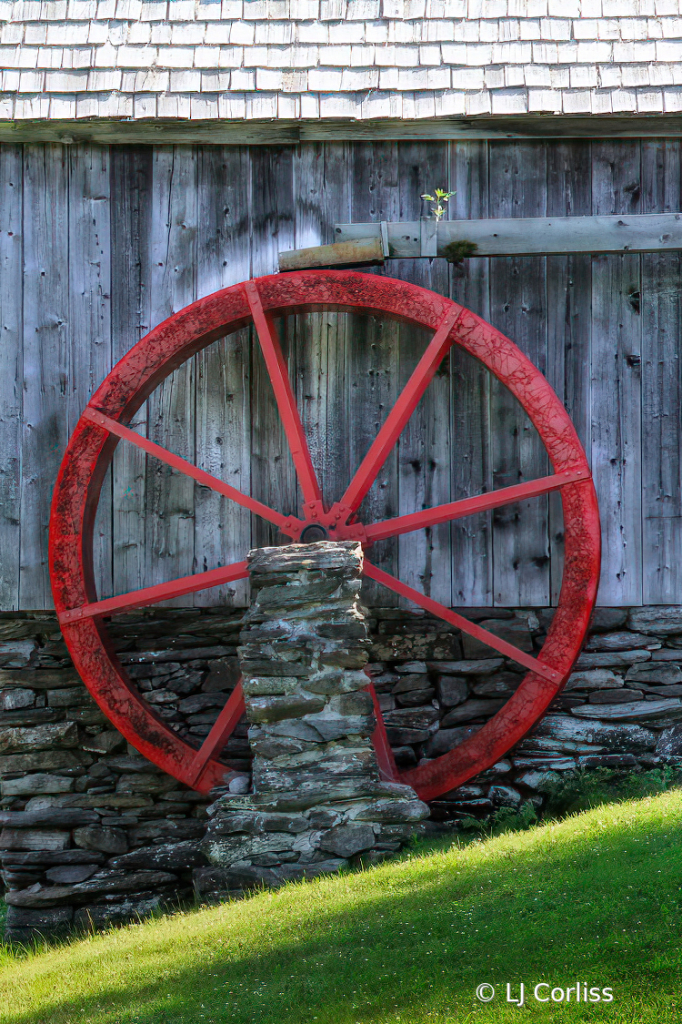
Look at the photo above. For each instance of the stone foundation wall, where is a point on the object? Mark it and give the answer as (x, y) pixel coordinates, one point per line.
(93, 833)
(621, 707)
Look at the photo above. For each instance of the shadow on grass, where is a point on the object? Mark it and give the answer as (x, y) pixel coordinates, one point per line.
(594, 899)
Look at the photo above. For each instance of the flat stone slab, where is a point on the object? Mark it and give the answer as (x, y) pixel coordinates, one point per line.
(66, 818)
(83, 892)
(294, 557)
(611, 737)
(593, 679)
(638, 710)
(34, 839)
(514, 631)
(660, 619)
(17, 740)
(40, 782)
(467, 668)
(615, 696)
(30, 858)
(611, 659)
(472, 709)
(659, 672)
(623, 641)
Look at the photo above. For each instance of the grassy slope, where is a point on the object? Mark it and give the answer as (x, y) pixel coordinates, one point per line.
(595, 898)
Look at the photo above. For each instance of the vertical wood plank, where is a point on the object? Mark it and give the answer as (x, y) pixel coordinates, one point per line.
(90, 315)
(472, 550)
(272, 204)
(661, 385)
(373, 371)
(424, 556)
(569, 310)
(346, 372)
(518, 188)
(46, 357)
(322, 190)
(222, 528)
(11, 372)
(131, 220)
(616, 379)
(169, 533)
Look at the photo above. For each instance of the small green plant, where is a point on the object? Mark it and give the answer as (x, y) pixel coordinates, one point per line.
(572, 792)
(583, 789)
(505, 819)
(436, 208)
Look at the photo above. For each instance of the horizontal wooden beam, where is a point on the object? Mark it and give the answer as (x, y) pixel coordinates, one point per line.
(367, 251)
(164, 131)
(157, 132)
(528, 236)
(525, 126)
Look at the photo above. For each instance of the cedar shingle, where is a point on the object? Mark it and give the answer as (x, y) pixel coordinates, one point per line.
(312, 58)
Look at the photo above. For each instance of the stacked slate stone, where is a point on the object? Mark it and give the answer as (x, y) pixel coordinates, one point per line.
(62, 763)
(92, 833)
(72, 858)
(318, 803)
(185, 665)
(621, 707)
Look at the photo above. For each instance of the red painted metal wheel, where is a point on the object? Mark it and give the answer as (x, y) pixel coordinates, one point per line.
(132, 380)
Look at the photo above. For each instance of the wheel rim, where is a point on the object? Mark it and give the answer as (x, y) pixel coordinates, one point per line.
(139, 372)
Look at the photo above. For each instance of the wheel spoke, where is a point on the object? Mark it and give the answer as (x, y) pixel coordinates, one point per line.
(469, 506)
(220, 732)
(284, 396)
(159, 592)
(206, 479)
(401, 411)
(508, 650)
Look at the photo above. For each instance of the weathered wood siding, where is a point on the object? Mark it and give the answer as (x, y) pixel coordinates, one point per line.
(97, 245)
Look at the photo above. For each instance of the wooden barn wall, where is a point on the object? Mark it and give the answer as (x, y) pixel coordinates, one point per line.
(99, 244)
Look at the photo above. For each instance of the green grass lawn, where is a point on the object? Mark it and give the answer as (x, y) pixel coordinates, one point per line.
(596, 898)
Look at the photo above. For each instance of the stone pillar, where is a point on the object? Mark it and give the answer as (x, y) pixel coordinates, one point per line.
(317, 801)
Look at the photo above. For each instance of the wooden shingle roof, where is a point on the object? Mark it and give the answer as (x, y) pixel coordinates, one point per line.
(306, 60)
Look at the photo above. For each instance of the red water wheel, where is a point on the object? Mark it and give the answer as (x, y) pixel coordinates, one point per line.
(102, 424)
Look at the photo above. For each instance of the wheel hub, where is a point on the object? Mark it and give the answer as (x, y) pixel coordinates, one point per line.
(313, 532)
(319, 524)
